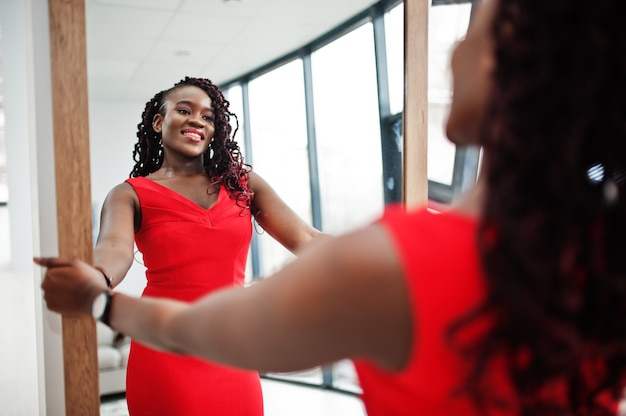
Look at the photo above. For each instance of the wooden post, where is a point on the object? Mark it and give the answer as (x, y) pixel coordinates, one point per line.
(68, 54)
(415, 116)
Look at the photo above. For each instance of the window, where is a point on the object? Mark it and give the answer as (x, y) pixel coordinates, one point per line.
(234, 97)
(348, 131)
(447, 24)
(394, 37)
(346, 134)
(279, 148)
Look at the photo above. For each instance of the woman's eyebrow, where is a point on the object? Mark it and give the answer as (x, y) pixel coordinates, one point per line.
(192, 104)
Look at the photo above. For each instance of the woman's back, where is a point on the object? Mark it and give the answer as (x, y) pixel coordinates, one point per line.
(445, 282)
(446, 285)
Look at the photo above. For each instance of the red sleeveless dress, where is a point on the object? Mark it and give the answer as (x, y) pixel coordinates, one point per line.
(444, 278)
(441, 267)
(189, 251)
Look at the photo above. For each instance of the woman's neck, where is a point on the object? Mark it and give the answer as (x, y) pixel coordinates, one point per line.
(171, 168)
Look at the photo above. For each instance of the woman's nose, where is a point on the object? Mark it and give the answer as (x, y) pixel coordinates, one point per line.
(197, 120)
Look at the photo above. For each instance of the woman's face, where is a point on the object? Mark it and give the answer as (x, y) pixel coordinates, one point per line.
(472, 64)
(187, 127)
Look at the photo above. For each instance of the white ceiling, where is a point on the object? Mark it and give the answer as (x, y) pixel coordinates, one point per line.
(136, 48)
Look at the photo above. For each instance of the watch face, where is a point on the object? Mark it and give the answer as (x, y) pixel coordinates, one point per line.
(99, 305)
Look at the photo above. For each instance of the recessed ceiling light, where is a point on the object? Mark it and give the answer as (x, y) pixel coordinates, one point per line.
(232, 1)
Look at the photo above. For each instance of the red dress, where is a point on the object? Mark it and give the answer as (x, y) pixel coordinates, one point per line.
(189, 251)
(445, 281)
(438, 253)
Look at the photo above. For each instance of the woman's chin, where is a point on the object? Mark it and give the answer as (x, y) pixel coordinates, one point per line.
(454, 136)
(461, 137)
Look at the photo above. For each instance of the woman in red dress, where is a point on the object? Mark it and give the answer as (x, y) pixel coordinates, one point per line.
(188, 206)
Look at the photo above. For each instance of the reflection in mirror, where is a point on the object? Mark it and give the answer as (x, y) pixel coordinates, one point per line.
(320, 105)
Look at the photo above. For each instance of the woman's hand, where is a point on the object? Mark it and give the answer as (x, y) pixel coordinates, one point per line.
(70, 286)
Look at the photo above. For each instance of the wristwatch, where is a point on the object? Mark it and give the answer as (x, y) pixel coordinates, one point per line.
(101, 307)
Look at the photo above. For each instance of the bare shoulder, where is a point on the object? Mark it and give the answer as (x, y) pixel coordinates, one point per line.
(256, 182)
(122, 203)
(122, 193)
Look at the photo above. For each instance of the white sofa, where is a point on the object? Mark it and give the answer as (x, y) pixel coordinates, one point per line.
(112, 361)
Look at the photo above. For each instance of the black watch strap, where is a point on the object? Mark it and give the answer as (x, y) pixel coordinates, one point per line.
(108, 280)
(106, 315)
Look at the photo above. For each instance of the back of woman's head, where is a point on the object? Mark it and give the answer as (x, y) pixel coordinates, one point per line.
(553, 232)
(223, 161)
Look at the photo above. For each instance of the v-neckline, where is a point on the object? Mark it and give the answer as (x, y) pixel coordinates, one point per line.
(188, 201)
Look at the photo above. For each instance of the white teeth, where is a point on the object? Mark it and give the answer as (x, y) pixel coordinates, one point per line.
(194, 136)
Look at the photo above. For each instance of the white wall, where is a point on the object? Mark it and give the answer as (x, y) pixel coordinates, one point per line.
(37, 386)
(112, 129)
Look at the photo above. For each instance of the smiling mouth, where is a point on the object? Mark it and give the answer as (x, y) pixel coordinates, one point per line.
(193, 136)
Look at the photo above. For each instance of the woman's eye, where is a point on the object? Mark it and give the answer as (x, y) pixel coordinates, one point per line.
(183, 111)
(207, 118)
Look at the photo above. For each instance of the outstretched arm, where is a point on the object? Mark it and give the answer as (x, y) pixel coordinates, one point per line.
(344, 298)
(114, 249)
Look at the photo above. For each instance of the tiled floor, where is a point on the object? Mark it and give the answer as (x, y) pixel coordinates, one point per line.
(281, 399)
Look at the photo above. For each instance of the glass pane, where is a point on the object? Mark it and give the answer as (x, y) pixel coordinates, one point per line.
(345, 377)
(280, 156)
(348, 131)
(394, 37)
(279, 148)
(235, 98)
(447, 24)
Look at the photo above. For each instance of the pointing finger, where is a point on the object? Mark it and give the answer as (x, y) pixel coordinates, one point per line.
(52, 262)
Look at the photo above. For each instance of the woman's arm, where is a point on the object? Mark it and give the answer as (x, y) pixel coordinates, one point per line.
(114, 249)
(280, 221)
(343, 298)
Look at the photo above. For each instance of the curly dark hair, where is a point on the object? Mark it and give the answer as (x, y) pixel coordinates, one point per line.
(552, 236)
(223, 161)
